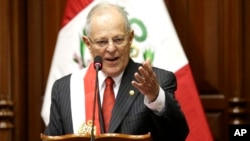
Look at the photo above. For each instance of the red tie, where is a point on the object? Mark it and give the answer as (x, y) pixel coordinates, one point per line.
(108, 101)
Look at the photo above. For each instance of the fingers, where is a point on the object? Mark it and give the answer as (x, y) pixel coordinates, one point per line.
(144, 73)
(146, 81)
(141, 79)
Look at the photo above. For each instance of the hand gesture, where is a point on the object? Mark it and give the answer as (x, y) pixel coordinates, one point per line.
(146, 81)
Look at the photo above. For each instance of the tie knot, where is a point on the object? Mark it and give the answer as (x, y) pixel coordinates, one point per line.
(109, 81)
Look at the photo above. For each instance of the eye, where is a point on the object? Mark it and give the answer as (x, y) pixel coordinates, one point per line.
(118, 40)
(102, 42)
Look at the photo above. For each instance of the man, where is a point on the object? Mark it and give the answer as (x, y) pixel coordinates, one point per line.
(144, 95)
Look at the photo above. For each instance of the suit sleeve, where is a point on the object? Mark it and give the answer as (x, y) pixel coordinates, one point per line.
(172, 125)
(60, 121)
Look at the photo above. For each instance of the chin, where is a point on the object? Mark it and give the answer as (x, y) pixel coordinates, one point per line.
(112, 71)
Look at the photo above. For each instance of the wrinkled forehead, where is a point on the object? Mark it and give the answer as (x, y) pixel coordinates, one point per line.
(107, 20)
(107, 12)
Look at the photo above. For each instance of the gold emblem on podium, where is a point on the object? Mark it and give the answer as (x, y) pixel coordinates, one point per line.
(86, 128)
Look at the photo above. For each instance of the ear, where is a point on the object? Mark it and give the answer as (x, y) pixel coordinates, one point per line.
(131, 37)
(86, 41)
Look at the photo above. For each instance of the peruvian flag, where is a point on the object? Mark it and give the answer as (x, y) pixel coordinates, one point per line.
(155, 38)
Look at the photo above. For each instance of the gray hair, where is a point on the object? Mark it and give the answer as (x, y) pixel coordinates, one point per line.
(102, 5)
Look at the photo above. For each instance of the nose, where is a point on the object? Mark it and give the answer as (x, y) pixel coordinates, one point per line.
(111, 46)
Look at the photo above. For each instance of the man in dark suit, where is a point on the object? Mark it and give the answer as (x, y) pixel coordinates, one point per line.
(144, 95)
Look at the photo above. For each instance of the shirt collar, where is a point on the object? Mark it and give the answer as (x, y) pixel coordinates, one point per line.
(102, 77)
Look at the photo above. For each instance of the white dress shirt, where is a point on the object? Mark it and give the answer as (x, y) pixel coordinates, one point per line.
(157, 106)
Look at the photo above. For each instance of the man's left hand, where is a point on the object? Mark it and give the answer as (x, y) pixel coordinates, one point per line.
(146, 81)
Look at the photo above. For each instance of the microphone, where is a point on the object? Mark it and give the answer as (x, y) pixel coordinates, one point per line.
(97, 66)
(98, 63)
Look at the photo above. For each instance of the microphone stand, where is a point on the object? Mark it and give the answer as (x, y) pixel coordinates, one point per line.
(101, 120)
(94, 108)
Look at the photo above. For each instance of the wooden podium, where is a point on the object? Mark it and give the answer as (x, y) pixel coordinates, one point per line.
(102, 137)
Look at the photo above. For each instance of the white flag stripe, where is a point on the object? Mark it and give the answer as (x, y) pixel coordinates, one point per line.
(162, 36)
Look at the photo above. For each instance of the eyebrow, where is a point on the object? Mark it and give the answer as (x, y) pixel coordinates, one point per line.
(122, 36)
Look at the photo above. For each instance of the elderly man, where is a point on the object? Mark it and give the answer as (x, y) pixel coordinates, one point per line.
(143, 96)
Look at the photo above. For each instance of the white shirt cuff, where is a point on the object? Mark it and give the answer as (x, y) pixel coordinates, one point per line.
(158, 106)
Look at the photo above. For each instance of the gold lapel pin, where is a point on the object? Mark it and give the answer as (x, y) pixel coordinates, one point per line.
(131, 92)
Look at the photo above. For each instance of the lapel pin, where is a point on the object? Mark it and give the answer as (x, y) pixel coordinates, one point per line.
(131, 92)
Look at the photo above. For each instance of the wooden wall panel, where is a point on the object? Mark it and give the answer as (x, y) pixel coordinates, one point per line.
(211, 54)
(13, 70)
(19, 68)
(246, 53)
(212, 36)
(44, 20)
(246, 49)
(5, 50)
(35, 69)
(52, 18)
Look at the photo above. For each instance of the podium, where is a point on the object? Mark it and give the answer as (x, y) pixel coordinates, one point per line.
(101, 137)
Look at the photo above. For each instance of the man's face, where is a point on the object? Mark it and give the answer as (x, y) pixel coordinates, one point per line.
(109, 40)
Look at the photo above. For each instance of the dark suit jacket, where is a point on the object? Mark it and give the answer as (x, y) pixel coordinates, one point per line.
(130, 115)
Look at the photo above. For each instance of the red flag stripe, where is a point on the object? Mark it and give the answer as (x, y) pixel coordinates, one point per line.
(191, 105)
(73, 7)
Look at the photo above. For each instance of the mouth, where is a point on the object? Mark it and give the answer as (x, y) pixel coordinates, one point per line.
(111, 59)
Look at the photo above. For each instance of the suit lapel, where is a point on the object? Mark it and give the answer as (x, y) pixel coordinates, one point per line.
(125, 98)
